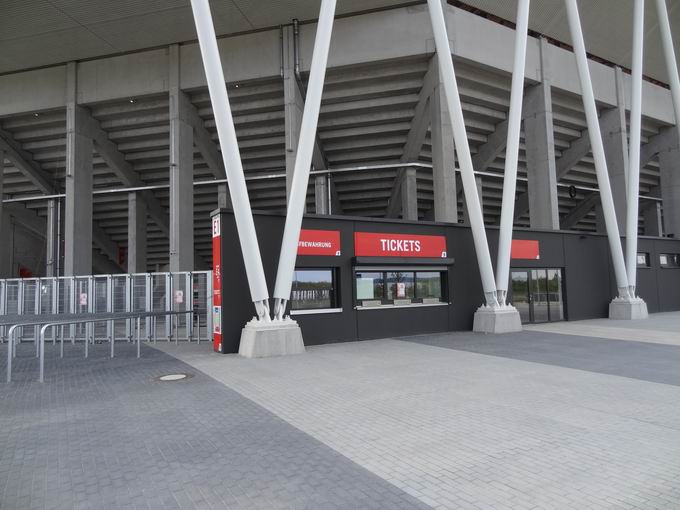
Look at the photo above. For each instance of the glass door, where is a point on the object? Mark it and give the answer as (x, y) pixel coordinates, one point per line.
(537, 294)
(520, 297)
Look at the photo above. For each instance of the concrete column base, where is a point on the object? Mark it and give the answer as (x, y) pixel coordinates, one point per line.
(628, 309)
(497, 320)
(267, 339)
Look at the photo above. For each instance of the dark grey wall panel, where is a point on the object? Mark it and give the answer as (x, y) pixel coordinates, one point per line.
(589, 282)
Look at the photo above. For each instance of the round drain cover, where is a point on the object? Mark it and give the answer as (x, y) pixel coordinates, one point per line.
(173, 377)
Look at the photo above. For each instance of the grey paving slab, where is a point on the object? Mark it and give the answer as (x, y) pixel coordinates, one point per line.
(639, 360)
(458, 429)
(104, 433)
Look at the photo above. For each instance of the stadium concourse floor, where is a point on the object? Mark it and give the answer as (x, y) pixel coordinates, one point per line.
(572, 415)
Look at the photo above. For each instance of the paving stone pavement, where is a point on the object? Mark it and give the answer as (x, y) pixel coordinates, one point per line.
(639, 360)
(103, 433)
(663, 328)
(460, 429)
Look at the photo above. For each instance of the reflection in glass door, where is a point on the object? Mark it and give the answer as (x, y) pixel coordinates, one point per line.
(538, 294)
(520, 294)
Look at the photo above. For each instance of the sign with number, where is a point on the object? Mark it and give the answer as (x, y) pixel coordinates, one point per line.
(83, 299)
(179, 297)
(319, 242)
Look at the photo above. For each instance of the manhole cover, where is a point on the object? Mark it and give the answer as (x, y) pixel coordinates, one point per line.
(173, 377)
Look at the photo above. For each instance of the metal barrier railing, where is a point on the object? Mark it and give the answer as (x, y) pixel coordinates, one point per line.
(45, 322)
(117, 293)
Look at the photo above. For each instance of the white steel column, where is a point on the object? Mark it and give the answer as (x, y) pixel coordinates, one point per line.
(303, 161)
(232, 158)
(479, 184)
(512, 152)
(181, 174)
(463, 150)
(615, 141)
(634, 146)
(597, 148)
(137, 238)
(52, 238)
(79, 168)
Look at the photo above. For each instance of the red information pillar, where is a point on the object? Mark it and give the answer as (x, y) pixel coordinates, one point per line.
(217, 282)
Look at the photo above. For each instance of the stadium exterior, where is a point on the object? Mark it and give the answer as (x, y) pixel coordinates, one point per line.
(112, 163)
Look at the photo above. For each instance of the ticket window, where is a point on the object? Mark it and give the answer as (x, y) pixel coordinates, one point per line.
(397, 287)
(314, 290)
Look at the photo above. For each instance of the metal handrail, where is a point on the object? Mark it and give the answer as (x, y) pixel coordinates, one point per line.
(47, 323)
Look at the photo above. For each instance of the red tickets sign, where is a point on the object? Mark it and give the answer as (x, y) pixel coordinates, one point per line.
(374, 244)
(525, 249)
(319, 242)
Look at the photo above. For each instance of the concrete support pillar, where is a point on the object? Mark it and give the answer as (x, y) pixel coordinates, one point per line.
(78, 202)
(615, 140)
(5, 228)
(294, 104)
(600, 226)
(466, 216)
(321, 194)
(409, 195)
(443, 159)
(669, 168)
(137, 215)
(540, 157)
(181, 175)
(52, 239)
(653, 225)
(223, 198)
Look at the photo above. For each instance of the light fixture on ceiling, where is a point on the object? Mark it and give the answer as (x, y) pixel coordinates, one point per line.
(36, 115)
(132, 100)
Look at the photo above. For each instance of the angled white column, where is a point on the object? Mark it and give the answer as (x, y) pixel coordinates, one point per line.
(512, 152)
(463, 150)
(79, 168)
(479, 184)
(303, 161)
(615, 140)
(232, 159)
(634, 145)
(137, 237)
(443, 158)
(52, 239)
(597, 149)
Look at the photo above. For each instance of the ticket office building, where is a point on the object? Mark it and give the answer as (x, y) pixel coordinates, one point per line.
(359, 279)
